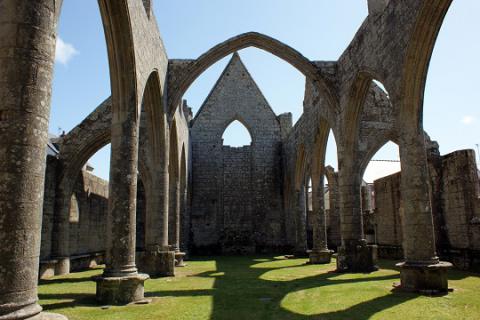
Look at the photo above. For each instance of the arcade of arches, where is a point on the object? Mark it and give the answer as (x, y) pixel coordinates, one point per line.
(176, 190)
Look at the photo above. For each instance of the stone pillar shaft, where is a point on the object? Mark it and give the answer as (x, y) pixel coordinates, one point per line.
(418, 234)
(158, 260)
(121, 221)
(300, 218)
(422, 270)
(355, 255)
(184, 228)
(61, 230)
(166, 204)
(27, 48)
(320, 253)
(155, 227)
(178, 198)
(319, 217)
(351, 227)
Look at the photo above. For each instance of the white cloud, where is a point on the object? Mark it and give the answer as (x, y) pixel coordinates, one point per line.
(64, 52)
(468, 120)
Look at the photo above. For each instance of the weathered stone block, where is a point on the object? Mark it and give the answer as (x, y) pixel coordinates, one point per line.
(120, 290)
(320, 257)
(357, 257)
(424, 278)
(158, 263)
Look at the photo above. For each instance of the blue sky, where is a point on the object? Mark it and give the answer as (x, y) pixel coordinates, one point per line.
(319, 29)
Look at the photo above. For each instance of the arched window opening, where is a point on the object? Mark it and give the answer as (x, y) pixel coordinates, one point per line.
(236, 135)
(99, 163)
(309, 195)
(384, 163)
(326, 194)
(380, 197)
(331, 158)
(309, 213)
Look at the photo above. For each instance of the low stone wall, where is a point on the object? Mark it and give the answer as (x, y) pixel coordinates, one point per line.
(457, 210)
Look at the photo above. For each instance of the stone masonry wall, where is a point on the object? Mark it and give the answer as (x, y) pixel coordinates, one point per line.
(88, 209)
(48, 207)
(460, 199)
(388, 220)
(459, 210)
(237, 200)
(236, 97)
(87, 231)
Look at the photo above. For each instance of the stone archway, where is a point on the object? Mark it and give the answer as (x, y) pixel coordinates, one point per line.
(195, 68)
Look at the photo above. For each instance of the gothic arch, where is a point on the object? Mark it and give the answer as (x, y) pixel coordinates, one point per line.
(156, 121)
(417, 60)
(300, 167)
(357, 98)
(242, 41)
(121, 55)
(319, 151)
(243, 123)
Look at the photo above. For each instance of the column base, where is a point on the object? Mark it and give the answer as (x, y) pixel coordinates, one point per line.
(424, 278)
(120, 290)
(320, 256)
(32, 312)
(158, 263)
(357, 256)
(62, 266)
(179, 256)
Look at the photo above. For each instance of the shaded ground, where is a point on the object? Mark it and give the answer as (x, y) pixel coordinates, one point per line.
(267, 287)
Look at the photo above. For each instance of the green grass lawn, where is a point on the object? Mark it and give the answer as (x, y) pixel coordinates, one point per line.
(267, 287)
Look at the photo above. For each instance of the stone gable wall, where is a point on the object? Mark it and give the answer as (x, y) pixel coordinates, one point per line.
(236, 97)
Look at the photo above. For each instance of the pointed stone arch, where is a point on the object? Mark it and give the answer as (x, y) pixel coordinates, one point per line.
(250, 39)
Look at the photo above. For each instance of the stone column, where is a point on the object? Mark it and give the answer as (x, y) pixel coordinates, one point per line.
(422, 269)
(61, 230)
(120, 282)
(320, 253)
(176, 236)
(158, 260)
(300, 219)
(354, 255)
(184, 218)
(27, 48)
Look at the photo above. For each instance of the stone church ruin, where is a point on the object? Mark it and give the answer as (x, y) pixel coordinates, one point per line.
(176, 190)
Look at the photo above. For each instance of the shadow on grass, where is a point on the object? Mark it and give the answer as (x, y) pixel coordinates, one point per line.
(64, 280)
(74, 300)
(241, 293)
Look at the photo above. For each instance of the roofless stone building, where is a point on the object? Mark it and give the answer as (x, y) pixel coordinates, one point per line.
(175, 187)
